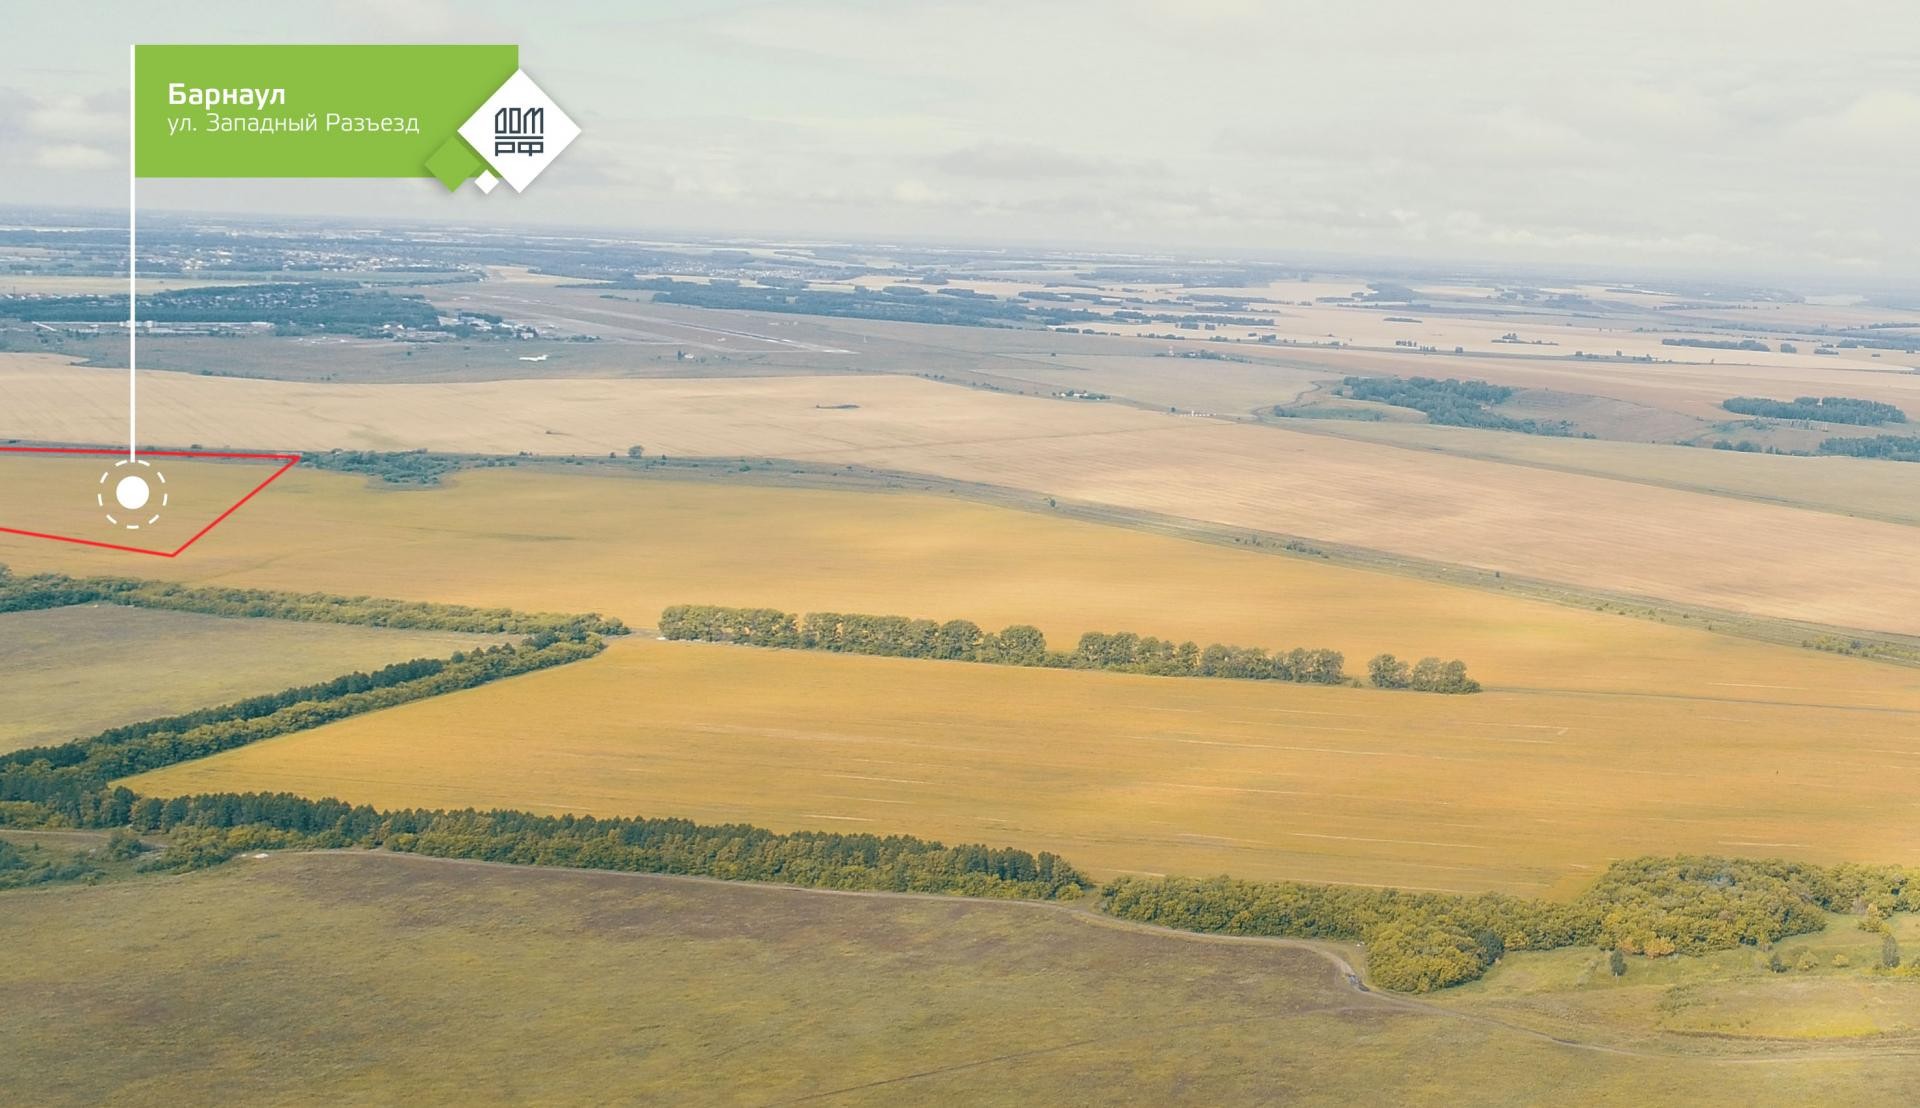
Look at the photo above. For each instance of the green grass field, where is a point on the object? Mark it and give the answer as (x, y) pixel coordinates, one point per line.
(71, 672)
(358, 978)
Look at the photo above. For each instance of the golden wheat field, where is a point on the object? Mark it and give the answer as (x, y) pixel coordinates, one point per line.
(1627, 537)
(1523, 791)
(1600, 734)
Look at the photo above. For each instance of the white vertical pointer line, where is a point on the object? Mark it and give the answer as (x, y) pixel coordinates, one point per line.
(133, 265)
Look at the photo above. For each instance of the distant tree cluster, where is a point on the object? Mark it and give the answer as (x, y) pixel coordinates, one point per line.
(408, 467)
(1452, 402)
(1024, 645)
(1891, 448)
(53, 590)
(1718, 344)
(1419, 942)
(342, 307)
(902, 304)
(1825, 409)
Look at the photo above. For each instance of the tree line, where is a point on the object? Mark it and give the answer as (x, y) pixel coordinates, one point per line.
(1024, 645)
(55, 590)
(1419, 942)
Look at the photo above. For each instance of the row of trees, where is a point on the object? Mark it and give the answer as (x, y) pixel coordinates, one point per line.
(1418, 942)
(1024, 645)
(54, 590)
(1130, 653)
(208, 829)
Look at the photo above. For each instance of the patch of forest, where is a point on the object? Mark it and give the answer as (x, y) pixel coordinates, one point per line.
(1826, 409)
(1452, 402)
(1890, 448)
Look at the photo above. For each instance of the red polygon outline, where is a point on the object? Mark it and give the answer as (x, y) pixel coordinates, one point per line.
(288, 460)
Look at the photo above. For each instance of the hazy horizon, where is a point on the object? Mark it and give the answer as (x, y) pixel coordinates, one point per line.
(1700, 140)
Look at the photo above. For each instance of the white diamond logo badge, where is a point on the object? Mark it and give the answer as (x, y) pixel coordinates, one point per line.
(519, 131)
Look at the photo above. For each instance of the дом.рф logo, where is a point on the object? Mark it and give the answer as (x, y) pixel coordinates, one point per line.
(518, 132)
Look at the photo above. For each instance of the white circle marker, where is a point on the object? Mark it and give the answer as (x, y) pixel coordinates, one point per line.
(132, 492)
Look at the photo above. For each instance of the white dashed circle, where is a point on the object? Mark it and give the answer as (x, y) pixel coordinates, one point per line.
(132, 493)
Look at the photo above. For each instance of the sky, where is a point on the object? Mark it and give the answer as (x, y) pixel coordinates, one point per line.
(1762, 140)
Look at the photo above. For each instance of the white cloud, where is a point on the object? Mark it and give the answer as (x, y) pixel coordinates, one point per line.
(66, 157)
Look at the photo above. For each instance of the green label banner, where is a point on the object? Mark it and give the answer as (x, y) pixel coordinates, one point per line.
(313, 111)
